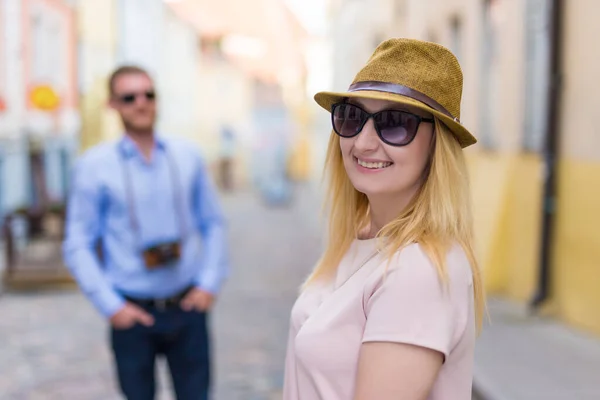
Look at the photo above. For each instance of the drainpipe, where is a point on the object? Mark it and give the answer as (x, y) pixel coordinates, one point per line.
(550, 155)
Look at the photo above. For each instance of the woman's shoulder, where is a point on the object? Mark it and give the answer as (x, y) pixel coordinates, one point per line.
(414, 262)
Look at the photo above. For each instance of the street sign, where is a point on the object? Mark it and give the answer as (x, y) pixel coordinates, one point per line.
(44, 97)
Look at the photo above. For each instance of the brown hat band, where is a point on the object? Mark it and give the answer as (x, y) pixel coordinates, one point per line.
(401, 90)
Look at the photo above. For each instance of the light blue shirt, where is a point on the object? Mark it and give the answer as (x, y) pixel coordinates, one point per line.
(98, 209)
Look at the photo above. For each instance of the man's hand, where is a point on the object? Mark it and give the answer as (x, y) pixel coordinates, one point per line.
(197, 299)
(128, 315)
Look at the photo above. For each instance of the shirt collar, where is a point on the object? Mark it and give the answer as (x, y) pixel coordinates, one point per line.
(128, 148)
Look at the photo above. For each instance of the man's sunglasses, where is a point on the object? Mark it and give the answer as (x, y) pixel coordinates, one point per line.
(129, 98)
(394, 127)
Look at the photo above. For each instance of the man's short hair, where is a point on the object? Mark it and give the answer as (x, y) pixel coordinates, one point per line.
(123, 70)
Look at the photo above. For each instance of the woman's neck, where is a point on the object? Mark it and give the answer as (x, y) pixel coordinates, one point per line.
(383, 209)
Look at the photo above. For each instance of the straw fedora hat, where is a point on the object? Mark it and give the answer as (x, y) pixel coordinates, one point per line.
(412, 72)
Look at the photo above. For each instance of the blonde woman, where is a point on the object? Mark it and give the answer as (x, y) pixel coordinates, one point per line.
(392, 308)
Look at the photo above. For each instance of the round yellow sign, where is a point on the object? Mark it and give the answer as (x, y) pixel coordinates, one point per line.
(44, 97)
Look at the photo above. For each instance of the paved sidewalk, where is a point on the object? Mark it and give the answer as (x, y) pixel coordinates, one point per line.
(54, 345)
(519, 357)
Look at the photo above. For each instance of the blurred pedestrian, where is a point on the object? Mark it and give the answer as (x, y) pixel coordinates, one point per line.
(275, 185)
(392, 309)
(146, 199)
(226, 162)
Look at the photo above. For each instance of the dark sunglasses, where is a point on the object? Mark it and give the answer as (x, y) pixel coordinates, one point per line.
(394, 127)
(129, 98)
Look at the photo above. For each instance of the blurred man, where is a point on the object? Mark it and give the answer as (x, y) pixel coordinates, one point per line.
(227, 158)
(135, 211)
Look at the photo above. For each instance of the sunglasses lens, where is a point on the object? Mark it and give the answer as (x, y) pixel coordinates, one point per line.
(397, 127)
(128, 98)
(347, 119)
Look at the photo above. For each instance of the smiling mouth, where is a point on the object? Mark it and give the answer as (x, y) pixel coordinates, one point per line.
(372, 165)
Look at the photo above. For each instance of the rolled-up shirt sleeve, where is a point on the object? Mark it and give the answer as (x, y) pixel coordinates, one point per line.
(83, 230)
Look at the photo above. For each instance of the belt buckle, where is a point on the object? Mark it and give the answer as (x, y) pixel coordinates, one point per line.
(160, 304)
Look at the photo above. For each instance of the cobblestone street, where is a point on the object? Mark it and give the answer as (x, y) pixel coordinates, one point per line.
(54, 345)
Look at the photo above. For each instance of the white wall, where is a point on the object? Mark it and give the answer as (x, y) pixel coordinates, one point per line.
(140, 24)
(178, 77)
(352, 35)
(152, 37)
(14, 167)
(2, 57)
(11, 123)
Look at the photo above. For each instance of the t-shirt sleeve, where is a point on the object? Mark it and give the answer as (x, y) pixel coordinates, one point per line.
(411, 304)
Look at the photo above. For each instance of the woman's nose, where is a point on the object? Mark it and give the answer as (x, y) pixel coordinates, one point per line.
(367, 139)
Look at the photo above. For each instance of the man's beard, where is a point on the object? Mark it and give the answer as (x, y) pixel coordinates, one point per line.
(136, 127)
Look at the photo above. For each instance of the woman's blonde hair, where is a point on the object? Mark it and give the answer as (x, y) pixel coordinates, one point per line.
(437, 217)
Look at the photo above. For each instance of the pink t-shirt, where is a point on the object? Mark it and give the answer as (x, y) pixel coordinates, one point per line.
(403, 301)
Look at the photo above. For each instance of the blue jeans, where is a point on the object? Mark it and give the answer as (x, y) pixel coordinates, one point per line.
(182, 337)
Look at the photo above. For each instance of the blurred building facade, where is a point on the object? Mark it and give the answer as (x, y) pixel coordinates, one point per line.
(56, 56)
(505, 49)
(148, 34)
(253, 81)
(39, 121)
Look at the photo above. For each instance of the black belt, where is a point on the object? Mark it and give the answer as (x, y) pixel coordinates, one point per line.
(162, 303)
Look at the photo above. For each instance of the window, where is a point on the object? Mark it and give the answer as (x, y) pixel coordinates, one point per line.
(377, 40)
(48, 50)
(489, 79)
(400, 8)
(456, 37)
(432, 36)
(537, 69)
(3, 59)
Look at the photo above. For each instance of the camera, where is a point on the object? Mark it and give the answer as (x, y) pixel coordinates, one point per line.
(161, 255)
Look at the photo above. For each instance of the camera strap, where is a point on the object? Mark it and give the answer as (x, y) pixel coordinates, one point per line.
(177, 199)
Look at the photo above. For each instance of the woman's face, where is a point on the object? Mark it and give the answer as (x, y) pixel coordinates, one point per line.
(376, 168)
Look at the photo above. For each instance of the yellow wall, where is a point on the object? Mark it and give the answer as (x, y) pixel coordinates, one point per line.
(489, 181)
(522, 227)
(507, 208)
(507, 194)
(576, 272)
(507, 183)
(300, 158)
(97, 35)
(234, 90)
(576, 256)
